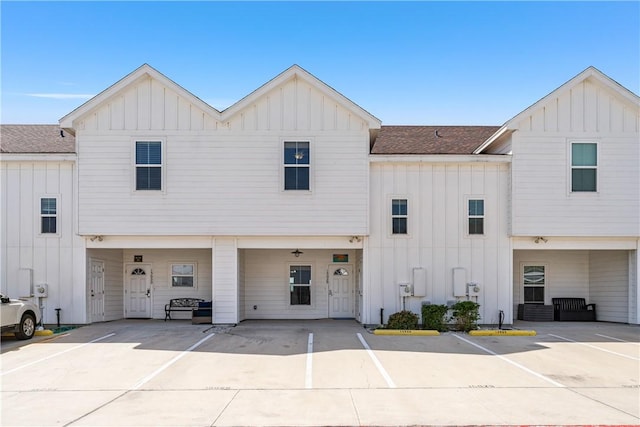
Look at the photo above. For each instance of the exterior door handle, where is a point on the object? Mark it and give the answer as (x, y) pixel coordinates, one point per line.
(148, 293)
(92, 293)
(330, 293)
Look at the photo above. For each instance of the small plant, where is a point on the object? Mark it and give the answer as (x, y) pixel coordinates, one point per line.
(403, 320)
(434, 317)
(465, 315)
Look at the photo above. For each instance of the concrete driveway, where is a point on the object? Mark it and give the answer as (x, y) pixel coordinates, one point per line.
(299, 373)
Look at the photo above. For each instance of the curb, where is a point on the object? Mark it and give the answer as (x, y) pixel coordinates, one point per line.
(423, 333)
(44, 333)
(500, 333)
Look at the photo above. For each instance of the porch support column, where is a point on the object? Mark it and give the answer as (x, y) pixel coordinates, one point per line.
(634, 285)
(224, 281)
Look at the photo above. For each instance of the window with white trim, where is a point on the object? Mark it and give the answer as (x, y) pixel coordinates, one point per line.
(584, 166)
(297, 163)
(148, 165)
(399, 216)
(300, 285)
(533, 281)
(48, 215)
(476, 216)
(183, 275)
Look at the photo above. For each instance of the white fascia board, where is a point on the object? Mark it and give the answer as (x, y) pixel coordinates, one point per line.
(492, 138)
(574, 243)
(144, 71)
(590, 72)
(38, 157)
(440, 158)
(295, 71)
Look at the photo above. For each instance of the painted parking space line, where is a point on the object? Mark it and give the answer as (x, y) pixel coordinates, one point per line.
(376, 362)
(51, 356)
(594, 347)
(152, 375)
(516, 364)
(615, 339)
(308, 378)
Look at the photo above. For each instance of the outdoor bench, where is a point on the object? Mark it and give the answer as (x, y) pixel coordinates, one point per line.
(180, 304)
(573, 309)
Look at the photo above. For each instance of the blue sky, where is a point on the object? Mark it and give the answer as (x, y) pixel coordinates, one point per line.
(404, 62)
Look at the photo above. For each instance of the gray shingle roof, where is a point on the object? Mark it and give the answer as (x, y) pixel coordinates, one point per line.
(35, 139)
(431, 139)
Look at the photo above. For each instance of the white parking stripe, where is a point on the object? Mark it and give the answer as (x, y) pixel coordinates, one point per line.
(376, 362)
(56, 354)
(615, 339)
(308, 378)
(593, 346)
(517, 365)
(169, 363)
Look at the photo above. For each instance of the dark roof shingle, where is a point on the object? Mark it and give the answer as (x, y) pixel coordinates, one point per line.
(431, 139)
(35, 139)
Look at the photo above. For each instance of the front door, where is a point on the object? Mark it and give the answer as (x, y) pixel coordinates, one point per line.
(341, 291)
(138, 291)
(96, 290)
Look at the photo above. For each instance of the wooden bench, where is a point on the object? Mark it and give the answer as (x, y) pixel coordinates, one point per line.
(180, 304)
(573, 309)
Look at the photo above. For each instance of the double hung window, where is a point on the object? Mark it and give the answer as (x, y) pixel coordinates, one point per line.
(48, 215)
(399, 216)
(148, 165)
(183, 275)
(300, 285)
(296, 165)
(584, 166)
(476, 216)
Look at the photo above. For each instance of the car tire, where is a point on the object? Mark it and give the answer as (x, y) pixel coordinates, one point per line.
(27, 327)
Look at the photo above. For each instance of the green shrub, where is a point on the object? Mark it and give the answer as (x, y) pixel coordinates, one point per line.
(434, 317)
(465, 315)
(403, 320)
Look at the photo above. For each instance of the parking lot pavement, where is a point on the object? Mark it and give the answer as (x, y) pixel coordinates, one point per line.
(152, 373)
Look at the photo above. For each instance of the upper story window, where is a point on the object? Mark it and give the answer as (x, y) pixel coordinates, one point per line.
(148, 165)
(476, 216)
(584, 166)
(399, 216)
(48, 215)
(296, 165)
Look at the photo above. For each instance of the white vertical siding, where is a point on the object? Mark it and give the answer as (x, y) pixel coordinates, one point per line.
(609, 284)
(543, 204)
(51, 258)
(634, 287)
(437, 239)
(225, 281)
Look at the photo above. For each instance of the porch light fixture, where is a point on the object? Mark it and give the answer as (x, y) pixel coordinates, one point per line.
(99, 238)
(355, 239)
(538, 239)
(297, 253)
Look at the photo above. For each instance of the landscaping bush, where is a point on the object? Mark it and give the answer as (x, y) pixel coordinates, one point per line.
(465, 315)
(434, 317)
(403, 320)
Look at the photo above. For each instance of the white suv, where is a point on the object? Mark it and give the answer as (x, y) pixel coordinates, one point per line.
(19, 317)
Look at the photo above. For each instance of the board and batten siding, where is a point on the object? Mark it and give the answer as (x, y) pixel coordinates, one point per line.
(225, 295)
(609, 285)
(437, 238)
(52, 259)
(543, 204)
(224, 178)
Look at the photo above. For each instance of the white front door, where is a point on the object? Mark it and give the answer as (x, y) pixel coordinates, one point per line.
(96, 290)
(138, 291)
(341, 291)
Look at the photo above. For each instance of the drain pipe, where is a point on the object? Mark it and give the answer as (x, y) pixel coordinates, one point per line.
(381, 316)
(58, 315)
(500, 319)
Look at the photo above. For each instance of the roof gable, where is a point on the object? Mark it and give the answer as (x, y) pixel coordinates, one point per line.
(293, 73)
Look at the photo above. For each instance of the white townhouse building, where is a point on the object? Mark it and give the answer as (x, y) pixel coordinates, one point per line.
(296, 203)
